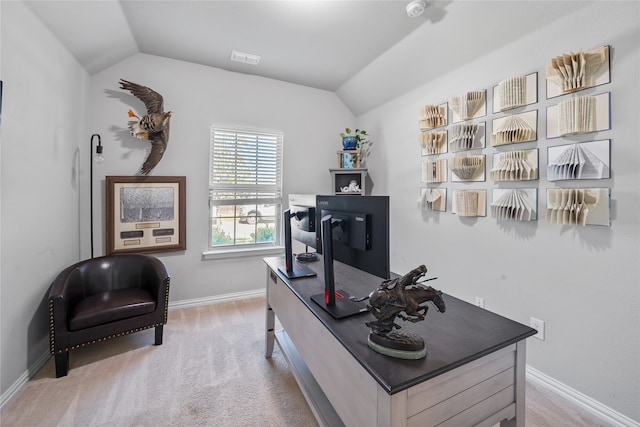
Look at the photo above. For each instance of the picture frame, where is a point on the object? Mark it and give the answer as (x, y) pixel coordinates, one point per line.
(349, 159)
(145, 214)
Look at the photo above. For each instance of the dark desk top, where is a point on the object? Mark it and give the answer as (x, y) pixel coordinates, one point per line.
(454, 338)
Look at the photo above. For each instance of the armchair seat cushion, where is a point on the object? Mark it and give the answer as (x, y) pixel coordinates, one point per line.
(110, 306)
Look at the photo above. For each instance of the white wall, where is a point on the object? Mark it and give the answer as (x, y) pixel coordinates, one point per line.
(43, 123)
(583, 281)
(311, 120)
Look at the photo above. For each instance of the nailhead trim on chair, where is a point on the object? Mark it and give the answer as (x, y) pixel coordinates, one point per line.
(52, 339)
(166, 301)
(109, 337)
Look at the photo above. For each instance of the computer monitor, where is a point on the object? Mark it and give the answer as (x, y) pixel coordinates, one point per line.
(293, 269)
(361, 239)
(303, 227)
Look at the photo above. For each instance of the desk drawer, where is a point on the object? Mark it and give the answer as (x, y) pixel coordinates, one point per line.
(463, 392)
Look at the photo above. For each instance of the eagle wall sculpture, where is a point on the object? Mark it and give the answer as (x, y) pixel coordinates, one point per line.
(153, 126)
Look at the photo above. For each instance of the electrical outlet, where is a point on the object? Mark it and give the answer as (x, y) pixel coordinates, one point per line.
(538, 325)
(480, 302)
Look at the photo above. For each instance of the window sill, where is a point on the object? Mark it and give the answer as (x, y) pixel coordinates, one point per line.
(240, 253)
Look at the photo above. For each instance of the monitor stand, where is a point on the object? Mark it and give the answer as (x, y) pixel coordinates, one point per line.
(296, 271)
(336, 303)
(342, 306)
(292, 269)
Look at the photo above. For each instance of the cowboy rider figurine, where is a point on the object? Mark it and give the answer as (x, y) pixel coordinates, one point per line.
(397, 286)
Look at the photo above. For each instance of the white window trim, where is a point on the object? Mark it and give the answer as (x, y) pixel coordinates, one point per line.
(244, 252)
(257, 249)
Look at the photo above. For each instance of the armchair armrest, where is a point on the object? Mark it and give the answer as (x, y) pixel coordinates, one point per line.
(65, 290)
(155, 278)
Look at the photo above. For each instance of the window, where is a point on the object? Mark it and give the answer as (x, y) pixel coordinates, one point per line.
(245, 188)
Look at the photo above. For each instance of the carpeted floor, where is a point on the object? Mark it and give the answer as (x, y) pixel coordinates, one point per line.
(210, 371)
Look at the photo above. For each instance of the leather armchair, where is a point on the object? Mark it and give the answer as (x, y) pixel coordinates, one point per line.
(106, 297)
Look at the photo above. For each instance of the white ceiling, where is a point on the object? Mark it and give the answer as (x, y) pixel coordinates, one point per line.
(319, 44)
(336, 45)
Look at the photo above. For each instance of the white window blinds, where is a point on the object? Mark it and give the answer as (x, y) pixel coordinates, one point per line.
(245, 165)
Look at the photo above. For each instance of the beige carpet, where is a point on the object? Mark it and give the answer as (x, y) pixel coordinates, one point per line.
(210, 371)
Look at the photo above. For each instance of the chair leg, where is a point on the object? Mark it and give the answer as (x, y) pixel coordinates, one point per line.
(159, 335)
(62, 364)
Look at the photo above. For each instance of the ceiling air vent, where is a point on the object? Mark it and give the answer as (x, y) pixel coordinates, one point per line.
(245, 58)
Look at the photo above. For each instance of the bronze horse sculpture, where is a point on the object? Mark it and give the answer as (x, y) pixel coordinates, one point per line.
(395, 296)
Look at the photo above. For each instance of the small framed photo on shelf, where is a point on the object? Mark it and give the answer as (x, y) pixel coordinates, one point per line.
(349, 159)
(146, 214)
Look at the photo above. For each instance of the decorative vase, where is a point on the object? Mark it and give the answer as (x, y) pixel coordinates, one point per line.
(349, 142)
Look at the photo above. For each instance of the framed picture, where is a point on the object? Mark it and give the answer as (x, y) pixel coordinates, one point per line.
(349, 159)
(146, 214)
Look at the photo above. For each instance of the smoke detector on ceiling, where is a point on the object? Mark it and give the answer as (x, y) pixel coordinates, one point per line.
(416, 8)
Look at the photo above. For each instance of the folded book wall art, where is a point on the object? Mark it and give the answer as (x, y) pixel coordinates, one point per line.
(514, 92)
(433, 116)
(574, 114)
(466, 136)
(517, 204)
(434, 171)
(586, 160)
(468, 106)
(516, 165)
(433, 199)
(469, 202)
(434, 142)
(515, 128)
(578, 115)
(584, 206)
(571, 72)
(467, 168)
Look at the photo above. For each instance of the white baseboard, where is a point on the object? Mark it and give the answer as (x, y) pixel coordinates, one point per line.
(217, 299)
(23, 379)
(606, 414)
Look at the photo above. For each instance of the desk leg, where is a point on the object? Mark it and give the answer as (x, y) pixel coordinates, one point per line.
(520, 386)
(269, 332)
(270, 322)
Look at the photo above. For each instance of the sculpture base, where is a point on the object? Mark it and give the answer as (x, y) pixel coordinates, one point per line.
(399, 344)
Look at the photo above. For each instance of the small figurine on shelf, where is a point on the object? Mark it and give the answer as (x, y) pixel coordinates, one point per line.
(353, 187)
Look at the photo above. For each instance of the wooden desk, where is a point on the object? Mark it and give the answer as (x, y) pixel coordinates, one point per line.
(473, 374)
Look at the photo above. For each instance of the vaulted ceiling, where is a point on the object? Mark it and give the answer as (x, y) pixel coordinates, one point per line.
(321, 44)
